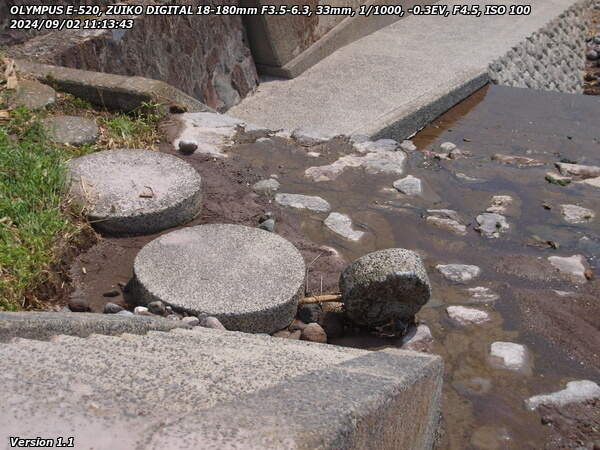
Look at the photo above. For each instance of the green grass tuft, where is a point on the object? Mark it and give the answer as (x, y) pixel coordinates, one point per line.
(32, 183)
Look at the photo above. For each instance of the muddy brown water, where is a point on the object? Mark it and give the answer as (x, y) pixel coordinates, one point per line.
(483, 406)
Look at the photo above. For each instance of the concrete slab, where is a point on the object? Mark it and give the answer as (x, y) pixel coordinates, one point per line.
(396, 80)
(208, 389)
(44, 325)
(247, 278)
(71, 130)
(33, 95)
(132, 192)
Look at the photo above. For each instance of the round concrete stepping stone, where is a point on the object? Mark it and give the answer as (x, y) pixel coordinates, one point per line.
(247, 278)
(71, 130)
(33, 95)
(132, 192)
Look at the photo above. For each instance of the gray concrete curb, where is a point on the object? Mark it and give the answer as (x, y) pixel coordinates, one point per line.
(44, 325)
(111, 91)
(386, 400)
(404, 122)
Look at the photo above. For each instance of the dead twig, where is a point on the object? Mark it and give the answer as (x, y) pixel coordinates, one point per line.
(321, 299)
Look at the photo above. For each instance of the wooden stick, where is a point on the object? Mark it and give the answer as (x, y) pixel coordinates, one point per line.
(321, 298)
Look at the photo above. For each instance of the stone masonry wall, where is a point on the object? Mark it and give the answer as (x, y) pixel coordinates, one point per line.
(552, 58)
(207, 57)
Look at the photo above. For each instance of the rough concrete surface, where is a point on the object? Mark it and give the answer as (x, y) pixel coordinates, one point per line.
(383, 286)
(44, 325)
(111, 91)
(211, 389)
(129, 192)
(247, 278)
(71, 130)
(33, 95)
(401, 93)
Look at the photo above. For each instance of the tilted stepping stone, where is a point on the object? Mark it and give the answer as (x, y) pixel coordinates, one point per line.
(71, 130)
(33, 95)
(132, 192)
(247, 278)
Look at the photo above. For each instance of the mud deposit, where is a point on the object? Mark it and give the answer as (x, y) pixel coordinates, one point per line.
(555, 317)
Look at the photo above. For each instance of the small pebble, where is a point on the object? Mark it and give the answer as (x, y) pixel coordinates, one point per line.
(592, 55)
(141, 311)
(112, 308)
(187, 147)
(314, 333)
(157, 308)
(125, 313)
(78, 305)
(295, 335)
(447, 146)
(212, 322)
(267, 225)
(191, 320)
(112, 293)
(282, 334)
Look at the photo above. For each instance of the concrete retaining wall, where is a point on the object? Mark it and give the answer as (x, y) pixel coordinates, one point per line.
(552, 58)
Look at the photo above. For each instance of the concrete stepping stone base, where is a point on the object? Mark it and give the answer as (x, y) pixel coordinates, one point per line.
(71, 130)
(33, 95)
(133, 192)
(247, 278)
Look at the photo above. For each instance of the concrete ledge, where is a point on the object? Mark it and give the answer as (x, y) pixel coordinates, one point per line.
(44, 325)
(212, 389)
(344, 33)
(383, 400)
(111, 91)
(401, 123)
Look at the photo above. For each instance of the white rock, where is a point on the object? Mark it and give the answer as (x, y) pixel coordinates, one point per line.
(594, 182)
(269, 185)
(492, 224)
(381, 145)
(303, 202)
(446, 219)
(342, 225)
(579, 170)
(572, 265)
(213, 132)
(191, 320)
(575, 392)
(481, 294)
(499, 204)
(264, 140)
(313, 154)
(577, 214)
(381, 161)
(467, 316)
(309, 137)
(459, 272)
(409, 185)
(418, 339)
(141, 311)
(466, 177)
(408, 146)
(508, 355)
(447, 146)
